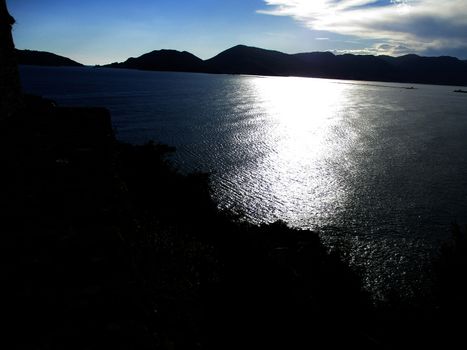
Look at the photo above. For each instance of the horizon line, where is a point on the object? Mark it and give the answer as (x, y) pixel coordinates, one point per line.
(333, 52)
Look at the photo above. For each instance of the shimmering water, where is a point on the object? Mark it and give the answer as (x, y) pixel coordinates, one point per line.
(376, 167)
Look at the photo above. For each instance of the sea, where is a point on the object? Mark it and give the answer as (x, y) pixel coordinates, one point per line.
(378, 169)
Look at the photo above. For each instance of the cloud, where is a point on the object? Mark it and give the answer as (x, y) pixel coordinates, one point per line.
(402, 25)
(379, 49)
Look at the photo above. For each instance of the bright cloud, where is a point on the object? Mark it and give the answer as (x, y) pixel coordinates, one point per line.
(398, 25)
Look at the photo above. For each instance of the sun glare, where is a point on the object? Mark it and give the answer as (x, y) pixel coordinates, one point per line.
(305, 120)
(303, 111)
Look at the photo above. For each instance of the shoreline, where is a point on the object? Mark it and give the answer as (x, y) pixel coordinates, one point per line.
(109, 245)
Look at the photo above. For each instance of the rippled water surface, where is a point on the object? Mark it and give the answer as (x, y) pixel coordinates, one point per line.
(377, 167)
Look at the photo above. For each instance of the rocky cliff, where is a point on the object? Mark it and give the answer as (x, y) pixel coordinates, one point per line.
(10, 92)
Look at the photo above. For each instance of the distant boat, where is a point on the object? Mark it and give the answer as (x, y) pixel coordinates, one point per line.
(410, 88)
(461, 91)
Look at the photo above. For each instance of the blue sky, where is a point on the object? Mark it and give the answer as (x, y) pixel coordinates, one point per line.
(104, 31)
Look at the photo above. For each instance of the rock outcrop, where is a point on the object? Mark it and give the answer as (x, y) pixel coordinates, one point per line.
(10, 91)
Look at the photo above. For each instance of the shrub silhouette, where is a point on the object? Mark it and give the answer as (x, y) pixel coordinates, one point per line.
(451, 268)
(233, 283)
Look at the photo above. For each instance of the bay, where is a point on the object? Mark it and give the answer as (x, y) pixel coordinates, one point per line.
(376, 168)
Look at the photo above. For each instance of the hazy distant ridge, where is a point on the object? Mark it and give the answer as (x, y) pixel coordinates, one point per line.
(251, 60)
(41, 58)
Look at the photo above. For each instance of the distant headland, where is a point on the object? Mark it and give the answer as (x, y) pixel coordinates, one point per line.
(41, 58)
(241, 59)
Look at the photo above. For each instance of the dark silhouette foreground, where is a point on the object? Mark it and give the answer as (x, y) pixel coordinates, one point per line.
(10, 91)
(106, 246)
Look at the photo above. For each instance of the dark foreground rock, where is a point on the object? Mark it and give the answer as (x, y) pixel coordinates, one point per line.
(10, 89)
(105, 245)
(70, 282)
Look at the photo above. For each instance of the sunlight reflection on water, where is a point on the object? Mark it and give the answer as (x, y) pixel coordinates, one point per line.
(302, 142)
(301, 118)
(375, 168)
(340, 159)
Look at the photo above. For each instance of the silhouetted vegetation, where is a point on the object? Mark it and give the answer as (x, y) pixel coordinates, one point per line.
(274, 286)
(106, 245)
(451, 281)
(237, 284)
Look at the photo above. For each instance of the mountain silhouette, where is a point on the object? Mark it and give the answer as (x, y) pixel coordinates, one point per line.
(42, 58)
(164, 60)
(432, 70)
(328, 65)
(243, 59)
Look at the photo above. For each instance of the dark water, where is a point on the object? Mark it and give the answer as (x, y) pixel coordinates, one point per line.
(377, 167)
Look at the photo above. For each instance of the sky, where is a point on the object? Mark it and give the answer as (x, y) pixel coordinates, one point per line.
(105, 31)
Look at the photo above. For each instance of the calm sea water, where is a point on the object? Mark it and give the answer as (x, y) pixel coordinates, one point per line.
(376, 167)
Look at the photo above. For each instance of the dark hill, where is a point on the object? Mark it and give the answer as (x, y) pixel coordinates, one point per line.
(164, 60)
(328, 65)
(243, 59)
(249, 60)
(41, 58)
(363, 68)
(318, 64)
(429, 70)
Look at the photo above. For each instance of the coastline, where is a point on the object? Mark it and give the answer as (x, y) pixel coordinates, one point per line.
(108, 245)
(111, 243)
